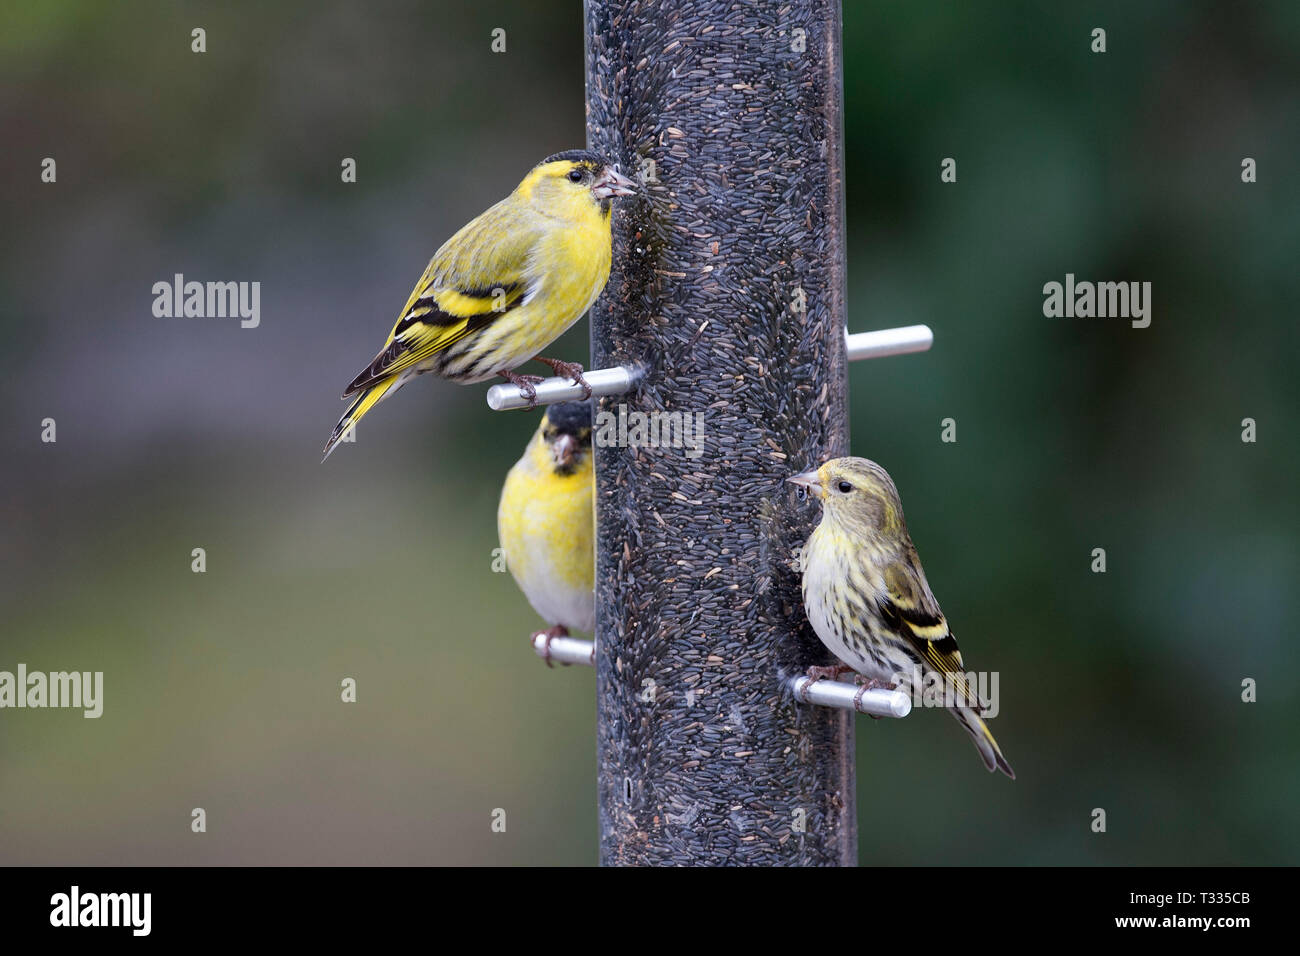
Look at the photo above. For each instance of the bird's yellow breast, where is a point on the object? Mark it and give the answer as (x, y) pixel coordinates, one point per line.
(566, 269)
(575, 262)
(547, 530)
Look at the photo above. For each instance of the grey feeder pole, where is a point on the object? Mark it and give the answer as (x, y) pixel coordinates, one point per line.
(728, 289)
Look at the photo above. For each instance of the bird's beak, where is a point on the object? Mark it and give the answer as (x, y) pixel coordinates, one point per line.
(809, 480)
(611, 182)
(563, 450)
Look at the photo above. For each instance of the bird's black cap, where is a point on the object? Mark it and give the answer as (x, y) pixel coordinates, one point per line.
(570, 418)
(577, 156)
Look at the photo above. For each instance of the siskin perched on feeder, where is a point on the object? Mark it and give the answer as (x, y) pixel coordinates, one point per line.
(867, 598)
(546, 521)
(504, 287)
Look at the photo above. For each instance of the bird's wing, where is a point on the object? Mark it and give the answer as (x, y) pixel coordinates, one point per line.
(478, 275)
(913, 612)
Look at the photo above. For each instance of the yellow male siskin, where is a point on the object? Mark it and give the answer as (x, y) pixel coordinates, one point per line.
(546, 521)
(867, 598)
(504, 287)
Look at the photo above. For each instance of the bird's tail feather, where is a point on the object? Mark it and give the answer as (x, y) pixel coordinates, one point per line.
(357, 410)
(984, 742)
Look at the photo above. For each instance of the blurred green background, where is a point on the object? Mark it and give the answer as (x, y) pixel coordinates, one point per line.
(1118, 690)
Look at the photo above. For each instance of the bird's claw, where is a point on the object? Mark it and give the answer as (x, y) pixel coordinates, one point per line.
(548, 635)
(525, 385)
(857, 700)
(833, 672)
(569, 370)
(865, 684)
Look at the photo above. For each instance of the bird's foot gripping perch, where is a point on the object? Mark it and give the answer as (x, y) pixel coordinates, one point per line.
(832, 672)
(569, 370)
(525, 384)
(864, 683)
(869, 683)
(547, 636)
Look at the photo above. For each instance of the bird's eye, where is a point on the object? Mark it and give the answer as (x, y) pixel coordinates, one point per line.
(575, 175)
(844, 487)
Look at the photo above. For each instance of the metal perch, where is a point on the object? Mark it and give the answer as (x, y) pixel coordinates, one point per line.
(551, 391)
(829, 693)
(901, 341)
(822, 693)
(566, 650)
(620, 380)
